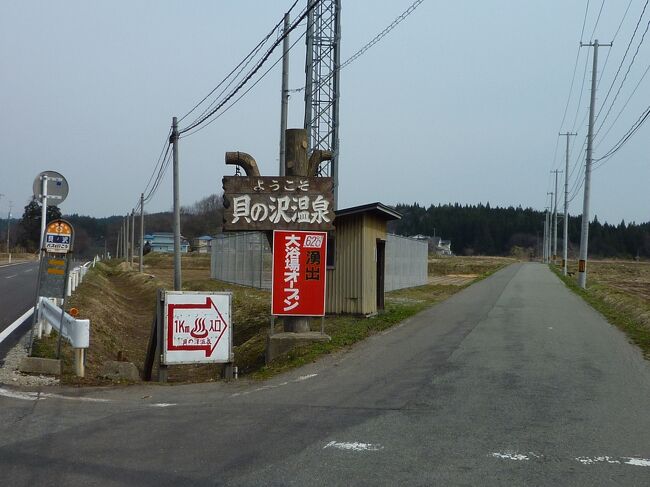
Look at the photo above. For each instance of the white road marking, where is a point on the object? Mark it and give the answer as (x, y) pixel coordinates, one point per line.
(592, 460)
(11, 276)
(638, 462)
(162, 405)
(7, 331)
(635, 461)
(274, 386)
(511, 456)
(304, 377)
(37, 396)
(353, 446)
(28, 270)
(25, 396)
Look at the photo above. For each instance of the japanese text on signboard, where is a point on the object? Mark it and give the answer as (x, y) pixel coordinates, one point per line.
(299, 273)
(264, 203)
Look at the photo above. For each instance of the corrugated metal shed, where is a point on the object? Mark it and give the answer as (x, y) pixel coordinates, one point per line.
(352, 283)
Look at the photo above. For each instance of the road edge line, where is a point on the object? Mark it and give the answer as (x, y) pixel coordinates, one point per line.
(10, 329)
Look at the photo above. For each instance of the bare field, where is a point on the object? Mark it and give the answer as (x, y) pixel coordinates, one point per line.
(471, 267)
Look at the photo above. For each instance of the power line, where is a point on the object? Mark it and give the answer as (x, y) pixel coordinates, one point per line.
(253, 71)
(383, 33)
(600, 11)
(628, 135)
(620, 66)
(239, 68)
(611, 126)
(225, 110)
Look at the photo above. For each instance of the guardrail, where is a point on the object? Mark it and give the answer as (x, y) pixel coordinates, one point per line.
(77, 332)
(76, 275)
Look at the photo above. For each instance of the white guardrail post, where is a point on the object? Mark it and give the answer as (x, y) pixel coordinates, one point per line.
(77, 332)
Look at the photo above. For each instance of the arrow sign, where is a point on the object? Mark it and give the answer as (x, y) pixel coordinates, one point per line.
(198, 327)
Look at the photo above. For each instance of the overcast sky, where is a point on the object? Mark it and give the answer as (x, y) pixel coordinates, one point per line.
(462, 102)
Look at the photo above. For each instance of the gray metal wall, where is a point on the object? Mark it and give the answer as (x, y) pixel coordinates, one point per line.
(245, 258)
(406, 262)
(242, 258)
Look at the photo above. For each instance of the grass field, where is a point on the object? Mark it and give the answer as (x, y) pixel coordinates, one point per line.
(620, 290)
(120, 304)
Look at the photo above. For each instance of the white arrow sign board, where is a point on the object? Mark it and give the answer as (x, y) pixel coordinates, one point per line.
(197, 327)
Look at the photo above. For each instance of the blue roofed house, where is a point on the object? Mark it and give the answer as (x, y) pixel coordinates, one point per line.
(203, 244)
(164, 242)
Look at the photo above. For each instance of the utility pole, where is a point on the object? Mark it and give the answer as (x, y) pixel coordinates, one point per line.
(141, 266)
(565, 233)
(43, 211)
(124, 248)
(132, 236)
(177, 208)
(117, 246)
(126, 238)
(584, 234)
(555, 218)
(8, 226)
(544, 241)
(549, 241)
(284, 106)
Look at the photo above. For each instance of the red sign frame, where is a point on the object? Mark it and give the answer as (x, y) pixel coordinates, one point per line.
(299, 273)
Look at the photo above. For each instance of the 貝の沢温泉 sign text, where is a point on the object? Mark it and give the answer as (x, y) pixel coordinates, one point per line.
(268, 202)
(299, 259)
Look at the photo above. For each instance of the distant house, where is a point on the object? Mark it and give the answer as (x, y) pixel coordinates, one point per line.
(444, 247)
(436, 244)
(164, 242)
(202, 245)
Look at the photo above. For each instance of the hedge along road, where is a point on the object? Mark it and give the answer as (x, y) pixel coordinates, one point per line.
(512, 381)
(17, 290)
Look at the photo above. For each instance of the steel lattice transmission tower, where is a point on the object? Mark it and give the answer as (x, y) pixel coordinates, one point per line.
(322, 83)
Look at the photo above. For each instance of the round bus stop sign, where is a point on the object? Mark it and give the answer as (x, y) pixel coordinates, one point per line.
(59, 236)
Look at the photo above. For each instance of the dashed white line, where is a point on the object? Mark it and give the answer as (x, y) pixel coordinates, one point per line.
(353, 446)
(11, 276)
(162, 405)
(28, 270)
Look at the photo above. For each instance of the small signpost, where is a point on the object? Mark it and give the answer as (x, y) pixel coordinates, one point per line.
(58, 237)
(197, 327)
(299, 259)
(190, 327)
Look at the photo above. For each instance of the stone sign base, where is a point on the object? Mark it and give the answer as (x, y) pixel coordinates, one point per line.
(282, 343)
(38, 365)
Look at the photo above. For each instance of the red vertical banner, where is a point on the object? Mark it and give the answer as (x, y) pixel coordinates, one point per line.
(298, 273)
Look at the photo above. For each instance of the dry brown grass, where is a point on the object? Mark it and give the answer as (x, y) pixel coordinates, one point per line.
(466, 266)
(621, 291)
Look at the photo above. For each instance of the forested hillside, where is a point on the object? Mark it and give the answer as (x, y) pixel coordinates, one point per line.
(481, 229)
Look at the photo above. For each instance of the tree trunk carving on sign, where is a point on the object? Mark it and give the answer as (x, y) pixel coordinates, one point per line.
(243, 160)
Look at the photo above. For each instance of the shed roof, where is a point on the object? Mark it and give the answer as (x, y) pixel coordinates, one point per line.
(379, 209)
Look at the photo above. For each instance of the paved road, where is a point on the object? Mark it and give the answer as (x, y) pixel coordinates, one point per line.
(513, 381)
(17, 287)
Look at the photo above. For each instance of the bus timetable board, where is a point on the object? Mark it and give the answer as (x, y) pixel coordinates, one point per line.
(59, 237)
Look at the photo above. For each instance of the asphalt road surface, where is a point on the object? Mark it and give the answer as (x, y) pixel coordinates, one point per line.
(17, 288)
(513, 381)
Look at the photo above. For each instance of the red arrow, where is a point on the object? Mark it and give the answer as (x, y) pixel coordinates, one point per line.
(170, 327)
